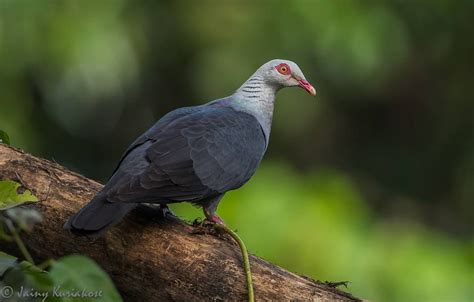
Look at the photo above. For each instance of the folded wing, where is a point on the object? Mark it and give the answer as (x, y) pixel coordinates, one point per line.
(192, 157)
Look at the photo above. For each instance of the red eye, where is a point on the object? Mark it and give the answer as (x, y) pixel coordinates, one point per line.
(283, 68)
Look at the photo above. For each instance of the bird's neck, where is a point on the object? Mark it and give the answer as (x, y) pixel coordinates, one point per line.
(257, 98)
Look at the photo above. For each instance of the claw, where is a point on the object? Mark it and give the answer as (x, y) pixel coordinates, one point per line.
(215, 219)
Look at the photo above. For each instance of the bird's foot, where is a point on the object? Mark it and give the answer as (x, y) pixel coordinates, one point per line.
(207, 226)
(215, 219)
(166, 211)
(203, 227)
(158, 211)
(212, 217)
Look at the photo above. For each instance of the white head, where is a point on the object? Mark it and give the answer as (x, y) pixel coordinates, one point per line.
(257, 95)
(284, 73)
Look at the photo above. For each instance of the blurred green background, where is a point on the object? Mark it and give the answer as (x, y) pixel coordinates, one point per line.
(370, 182)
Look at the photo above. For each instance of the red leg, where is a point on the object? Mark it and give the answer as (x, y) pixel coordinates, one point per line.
(210, 210)
(215, 219)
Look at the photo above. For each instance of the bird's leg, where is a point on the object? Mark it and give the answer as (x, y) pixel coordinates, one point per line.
(210, 207)
(166, 211)
(212, 217)
(208, 225)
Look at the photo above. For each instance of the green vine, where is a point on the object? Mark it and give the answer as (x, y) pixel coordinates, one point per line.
(245, 256)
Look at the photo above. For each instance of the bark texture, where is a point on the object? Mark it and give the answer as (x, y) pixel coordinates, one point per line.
(148, 259)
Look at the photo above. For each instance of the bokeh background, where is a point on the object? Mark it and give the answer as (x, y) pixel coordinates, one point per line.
(370, 182)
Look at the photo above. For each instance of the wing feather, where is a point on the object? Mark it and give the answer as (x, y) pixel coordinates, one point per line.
(193, 157)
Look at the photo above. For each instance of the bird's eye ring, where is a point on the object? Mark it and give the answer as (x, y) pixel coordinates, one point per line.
(283, 69)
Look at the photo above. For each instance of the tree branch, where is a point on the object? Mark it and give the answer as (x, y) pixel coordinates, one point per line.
(148, 259)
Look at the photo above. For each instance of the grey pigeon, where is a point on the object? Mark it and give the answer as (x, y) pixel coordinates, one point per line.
(194, 154)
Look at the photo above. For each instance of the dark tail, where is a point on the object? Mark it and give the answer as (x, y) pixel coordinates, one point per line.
(97, 216)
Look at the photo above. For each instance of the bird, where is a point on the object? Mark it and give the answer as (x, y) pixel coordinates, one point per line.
(194, 154)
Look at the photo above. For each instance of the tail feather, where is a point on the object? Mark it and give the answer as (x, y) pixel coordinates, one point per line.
(97, 216)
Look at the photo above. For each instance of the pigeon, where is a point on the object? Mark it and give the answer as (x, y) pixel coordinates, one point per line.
(194, 154)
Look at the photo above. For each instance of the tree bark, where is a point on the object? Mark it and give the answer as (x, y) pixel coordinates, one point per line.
(148, 259)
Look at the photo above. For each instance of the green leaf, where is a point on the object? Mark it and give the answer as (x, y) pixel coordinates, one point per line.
(38, 278)
(79, 274)
(4, 138)
(13, 194)
(6, 262)
(28, 278)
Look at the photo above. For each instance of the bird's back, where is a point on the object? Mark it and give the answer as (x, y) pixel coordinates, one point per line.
(189, 155)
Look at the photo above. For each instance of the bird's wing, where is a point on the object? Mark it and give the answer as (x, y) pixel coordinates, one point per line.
(196, 156)
(155, 129)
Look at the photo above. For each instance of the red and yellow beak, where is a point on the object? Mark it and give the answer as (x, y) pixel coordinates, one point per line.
(307, 86)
